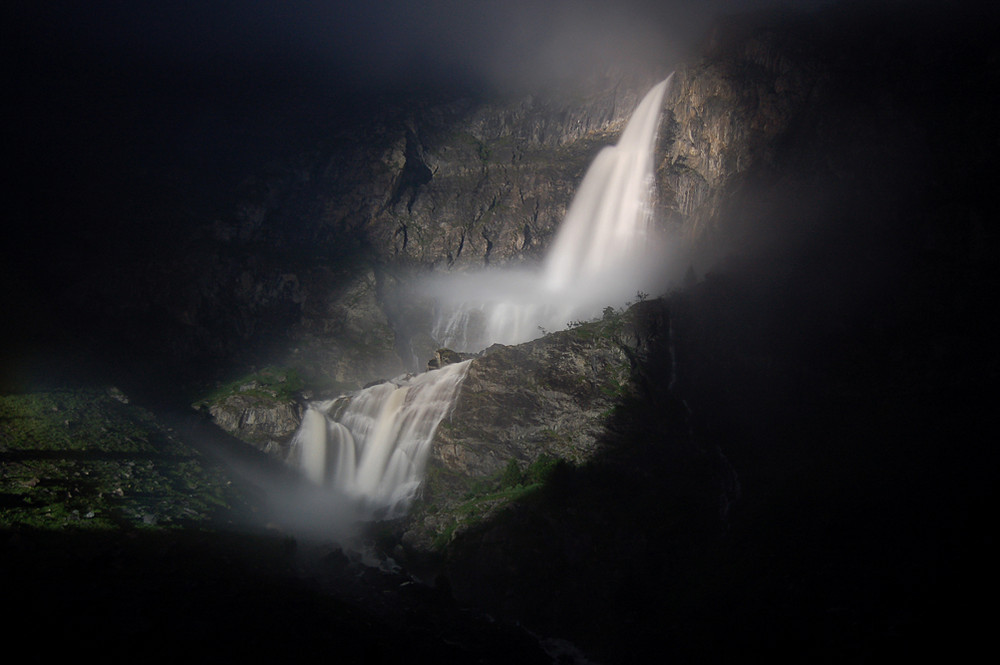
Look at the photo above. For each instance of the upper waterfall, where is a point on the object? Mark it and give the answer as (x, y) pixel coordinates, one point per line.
(600, 256)
(609, 217)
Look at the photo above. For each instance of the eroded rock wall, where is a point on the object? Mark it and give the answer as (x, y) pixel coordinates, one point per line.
(726, 117)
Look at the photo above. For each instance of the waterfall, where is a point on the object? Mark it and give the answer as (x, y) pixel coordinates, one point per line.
(609, 217)
(599, 257)
(372, 447)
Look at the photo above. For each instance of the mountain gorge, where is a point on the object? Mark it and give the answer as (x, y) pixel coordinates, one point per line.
(781, 453)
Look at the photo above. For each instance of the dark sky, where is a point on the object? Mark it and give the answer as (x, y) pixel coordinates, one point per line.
(369, 44)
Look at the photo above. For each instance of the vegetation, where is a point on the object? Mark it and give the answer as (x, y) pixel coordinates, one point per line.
(486, 496)
(278, 383)
(85, 459)
(608, 326)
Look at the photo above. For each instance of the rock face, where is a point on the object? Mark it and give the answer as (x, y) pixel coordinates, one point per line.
(546, 396)
(343, 338)
(726, 114)
(544, 401)
(486, 185)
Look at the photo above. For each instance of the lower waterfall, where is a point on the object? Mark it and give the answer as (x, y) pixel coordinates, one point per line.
(372, 446)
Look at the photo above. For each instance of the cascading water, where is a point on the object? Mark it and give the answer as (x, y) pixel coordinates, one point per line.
(609, 217)
(599, 256)
(372, 447)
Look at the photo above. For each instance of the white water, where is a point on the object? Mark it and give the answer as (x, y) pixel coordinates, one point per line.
(372, 447)
(601, 255)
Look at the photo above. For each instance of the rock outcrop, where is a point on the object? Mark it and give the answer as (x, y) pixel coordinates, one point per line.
(343, 338)
(536, 404)
(263, 409)
(262, 421)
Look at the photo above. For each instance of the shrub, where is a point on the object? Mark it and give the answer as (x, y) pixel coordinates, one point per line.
(512, 475)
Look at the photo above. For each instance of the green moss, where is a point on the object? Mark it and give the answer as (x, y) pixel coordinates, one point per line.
(542, 469)
(614, 388)
(442, 538)
(484, 151)
(608, 327)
